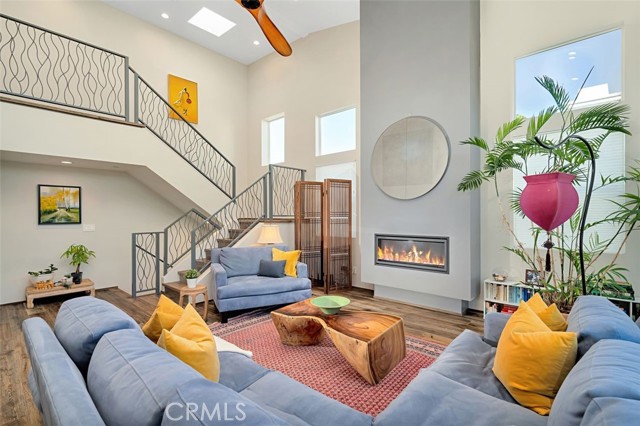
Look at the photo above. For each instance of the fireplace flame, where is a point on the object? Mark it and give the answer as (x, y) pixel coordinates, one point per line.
(411, 256)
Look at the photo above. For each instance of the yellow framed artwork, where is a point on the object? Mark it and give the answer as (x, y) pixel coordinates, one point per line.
(183, 97)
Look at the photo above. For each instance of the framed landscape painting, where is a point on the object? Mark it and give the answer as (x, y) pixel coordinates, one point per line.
(59, 205)
(183, 96)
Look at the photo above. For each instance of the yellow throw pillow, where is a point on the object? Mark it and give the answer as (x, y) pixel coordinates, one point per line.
(191, 341)
(292, 260)
(532, 361)
(550, 315)
(165, 316)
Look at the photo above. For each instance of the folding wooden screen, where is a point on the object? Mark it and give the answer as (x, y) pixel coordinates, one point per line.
(323, 231)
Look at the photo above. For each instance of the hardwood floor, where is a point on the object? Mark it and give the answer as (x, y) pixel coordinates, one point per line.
(17, 407)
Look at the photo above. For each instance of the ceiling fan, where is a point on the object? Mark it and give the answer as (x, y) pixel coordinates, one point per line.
(267, 26)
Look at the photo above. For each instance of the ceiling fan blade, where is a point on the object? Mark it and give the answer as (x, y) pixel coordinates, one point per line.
(273, 34)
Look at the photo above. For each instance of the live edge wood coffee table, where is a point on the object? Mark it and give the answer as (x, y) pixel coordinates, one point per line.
(372, 343)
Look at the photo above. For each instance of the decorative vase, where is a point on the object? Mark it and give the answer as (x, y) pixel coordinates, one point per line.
(191, 282)
(41, 278)
(549, 199)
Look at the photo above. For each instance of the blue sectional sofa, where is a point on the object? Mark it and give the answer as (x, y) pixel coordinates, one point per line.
(237, 285)
(98, 368)
(603, 388)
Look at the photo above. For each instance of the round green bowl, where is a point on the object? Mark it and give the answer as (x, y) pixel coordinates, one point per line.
(330, 305)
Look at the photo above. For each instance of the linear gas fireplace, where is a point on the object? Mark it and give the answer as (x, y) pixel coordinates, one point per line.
(417, 252)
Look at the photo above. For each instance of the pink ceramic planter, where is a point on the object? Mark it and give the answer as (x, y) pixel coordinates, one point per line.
(549, 199)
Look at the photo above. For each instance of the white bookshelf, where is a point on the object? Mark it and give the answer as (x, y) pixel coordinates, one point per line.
(510, 293)
(506, 293)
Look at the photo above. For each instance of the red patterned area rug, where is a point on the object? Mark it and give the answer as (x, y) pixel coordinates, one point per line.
(321, 366)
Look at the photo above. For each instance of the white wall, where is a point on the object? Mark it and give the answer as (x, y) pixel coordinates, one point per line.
(154, 53)
(503, 40)
(116, 203)
(322, 75)
(421, 59)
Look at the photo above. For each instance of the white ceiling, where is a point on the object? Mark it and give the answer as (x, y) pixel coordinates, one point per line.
(294, 18)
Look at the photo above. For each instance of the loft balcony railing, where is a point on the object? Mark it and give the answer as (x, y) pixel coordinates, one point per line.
(45, 66)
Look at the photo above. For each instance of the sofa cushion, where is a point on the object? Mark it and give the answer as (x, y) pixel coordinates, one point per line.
(244, 260)
(164, 317)
(432, 399)
(300, 405)
(550, 315)
(202, 402)
(60, 388)
(468, 360)
(291, 259)
(131, 380)
(595, 318)
(611, 368)
(82, 321)
(254, 285)
(191, 341)
(611, 412)
(532, 361)
(237, 371)
(271, 268)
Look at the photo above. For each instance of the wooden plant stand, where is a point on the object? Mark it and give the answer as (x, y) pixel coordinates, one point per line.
(33, 293)
(371, 342)
(191, 294)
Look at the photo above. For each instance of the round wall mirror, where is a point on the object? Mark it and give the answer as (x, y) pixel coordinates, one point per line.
(410, 157)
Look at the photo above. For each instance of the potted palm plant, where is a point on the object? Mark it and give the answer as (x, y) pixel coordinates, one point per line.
(559, 274)
(192, 277)
(78, 254)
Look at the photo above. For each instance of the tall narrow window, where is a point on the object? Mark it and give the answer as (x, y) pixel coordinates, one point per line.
(569, 64)
(336, 132)
(273, 140)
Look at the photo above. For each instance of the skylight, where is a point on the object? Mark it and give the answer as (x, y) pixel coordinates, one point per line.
(211, 22)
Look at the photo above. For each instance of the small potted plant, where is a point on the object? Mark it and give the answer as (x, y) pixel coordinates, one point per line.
(43, 275)
(78, 254)
(192, 277)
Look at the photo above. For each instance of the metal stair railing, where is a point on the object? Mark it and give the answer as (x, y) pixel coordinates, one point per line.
(145, 262)
(152, 110)
(177, 237)
(46, 66)
(282, 180)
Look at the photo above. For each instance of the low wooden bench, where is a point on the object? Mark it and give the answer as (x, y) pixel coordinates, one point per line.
(33, 293)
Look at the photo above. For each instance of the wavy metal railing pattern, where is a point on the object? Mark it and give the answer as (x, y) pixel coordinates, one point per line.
(178, 237)
(250, 205)
(145, 262)
(50, 67)
(153, 111)
(281, 195)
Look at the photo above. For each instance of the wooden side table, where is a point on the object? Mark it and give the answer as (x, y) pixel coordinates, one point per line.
(33, 293)
(191, 294)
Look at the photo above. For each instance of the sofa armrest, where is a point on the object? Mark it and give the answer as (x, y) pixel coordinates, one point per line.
(494, 323)
(302, 270)
(219, 275)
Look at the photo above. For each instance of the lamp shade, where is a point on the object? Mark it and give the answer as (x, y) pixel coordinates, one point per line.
(549, 199)
(270, 234)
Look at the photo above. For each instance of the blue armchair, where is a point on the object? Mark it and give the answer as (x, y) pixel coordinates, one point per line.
(237, 285)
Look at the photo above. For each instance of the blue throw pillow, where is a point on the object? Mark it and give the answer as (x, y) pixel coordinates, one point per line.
(271, 268)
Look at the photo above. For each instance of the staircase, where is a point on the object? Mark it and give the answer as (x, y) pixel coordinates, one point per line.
(52, 71)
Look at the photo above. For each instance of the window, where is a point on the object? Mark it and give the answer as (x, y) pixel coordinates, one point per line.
(345, 171)
(610, 163)
(336, 132)
(569, 64)
(273, 140)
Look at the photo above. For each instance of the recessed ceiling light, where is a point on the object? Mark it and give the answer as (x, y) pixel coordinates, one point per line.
(66, 162)
(256, 43)
(571, 58)
(211, 22)
(572, 53)
(574, 78)
(165, 15)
